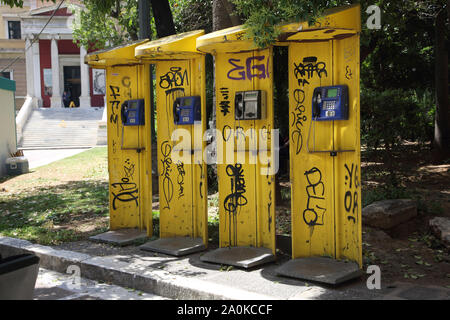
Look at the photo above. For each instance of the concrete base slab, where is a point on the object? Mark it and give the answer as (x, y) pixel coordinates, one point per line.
(177, 247)
(243, 257)
(320, 269)
(121, 237)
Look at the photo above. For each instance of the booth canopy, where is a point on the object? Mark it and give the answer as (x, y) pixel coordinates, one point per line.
(336, 23)
(175, 47)
(121, 55)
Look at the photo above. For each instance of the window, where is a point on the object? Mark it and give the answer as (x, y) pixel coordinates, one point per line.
(6, 74)
(14, 31)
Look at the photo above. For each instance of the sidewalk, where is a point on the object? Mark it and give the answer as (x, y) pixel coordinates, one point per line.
(189, 278)
(51, 285)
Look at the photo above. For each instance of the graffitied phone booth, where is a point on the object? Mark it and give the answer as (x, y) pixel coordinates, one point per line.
(244, 116)
(181, 123)
(129, 143)
(325, 165)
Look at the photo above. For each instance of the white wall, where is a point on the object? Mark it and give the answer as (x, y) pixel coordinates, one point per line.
(7, 127)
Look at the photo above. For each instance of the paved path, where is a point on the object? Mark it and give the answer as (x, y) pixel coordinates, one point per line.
(38, 158)
(52, 285)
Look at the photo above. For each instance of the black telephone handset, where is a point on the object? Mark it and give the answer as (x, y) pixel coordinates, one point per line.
(317, 99)
(123, 112)
(239, 106)
(176, 111)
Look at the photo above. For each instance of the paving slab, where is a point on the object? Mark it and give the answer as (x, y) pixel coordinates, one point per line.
(51, 285)
(320, 269)
(189, 277)
(243, 257)
(121, 237)
(178, 247)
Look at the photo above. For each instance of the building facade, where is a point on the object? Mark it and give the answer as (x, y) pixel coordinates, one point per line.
(51, 67)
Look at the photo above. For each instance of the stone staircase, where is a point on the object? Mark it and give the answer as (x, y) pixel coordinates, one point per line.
(49, 128)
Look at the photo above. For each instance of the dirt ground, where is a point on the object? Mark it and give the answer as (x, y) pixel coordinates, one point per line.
(409, 252)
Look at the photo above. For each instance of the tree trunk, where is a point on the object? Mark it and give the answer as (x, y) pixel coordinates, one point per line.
(163, 18)
(442, 123)
(223, 16)
(144, 19)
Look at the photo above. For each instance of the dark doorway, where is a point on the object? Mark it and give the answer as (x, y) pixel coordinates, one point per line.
(72, 85)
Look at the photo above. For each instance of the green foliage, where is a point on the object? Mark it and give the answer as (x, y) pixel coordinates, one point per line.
(263, 16)
(106, 23)
(391, 116)
(189, 15)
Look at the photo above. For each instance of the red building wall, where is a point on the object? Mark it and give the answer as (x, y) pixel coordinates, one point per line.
(64, 47)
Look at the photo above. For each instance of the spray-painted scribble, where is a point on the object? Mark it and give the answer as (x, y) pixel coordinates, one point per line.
(251, 69)
(180, 178)
(235, 199)
(166, 152)
(351, 195)
(315, 205)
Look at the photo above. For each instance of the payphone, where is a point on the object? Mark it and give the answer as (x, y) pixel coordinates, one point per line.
(250, 105)
(187, 110)
(330, 103)
(133, 112)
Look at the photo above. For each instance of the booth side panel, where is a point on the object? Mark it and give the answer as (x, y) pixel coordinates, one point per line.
(244, 197)
(313, 234)
(175, 175)
(145, 138)
(266, 168)
(348, 164)
(124, 165)
(200, 181)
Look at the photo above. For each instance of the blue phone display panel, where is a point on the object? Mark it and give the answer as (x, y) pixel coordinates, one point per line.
(330, 103)
(133, 113)
(187, 110)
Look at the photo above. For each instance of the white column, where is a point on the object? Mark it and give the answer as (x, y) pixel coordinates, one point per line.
(56, 88)
(37, 73)
(85, 99)
(29, 68)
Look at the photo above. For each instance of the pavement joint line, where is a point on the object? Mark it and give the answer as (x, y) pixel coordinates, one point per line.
(150, 280)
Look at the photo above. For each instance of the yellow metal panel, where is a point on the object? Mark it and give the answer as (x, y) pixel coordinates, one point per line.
(246, 187)
(348, 165)
(326, 190)
(182, 183)
(128, 176)
(310, 66)
(121, 55)
(178, 46)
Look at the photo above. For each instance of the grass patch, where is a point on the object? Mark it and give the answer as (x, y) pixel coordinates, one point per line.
(64, 201)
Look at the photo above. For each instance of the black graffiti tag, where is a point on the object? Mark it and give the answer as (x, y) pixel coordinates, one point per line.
(180, 178)
(225, 102)
(236, 198)
(351, 196)
(308, 68)
(315, 206)
(127, 192)
(115, 93)
(174, 80)
(166, 151)
(299, 115)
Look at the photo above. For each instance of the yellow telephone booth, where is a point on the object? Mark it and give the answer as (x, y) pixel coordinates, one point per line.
(246, 165)
(325, 164)
(181, 123)
(129, 143)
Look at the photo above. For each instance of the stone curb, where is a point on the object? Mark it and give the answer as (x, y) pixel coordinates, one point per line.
(119, 273)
